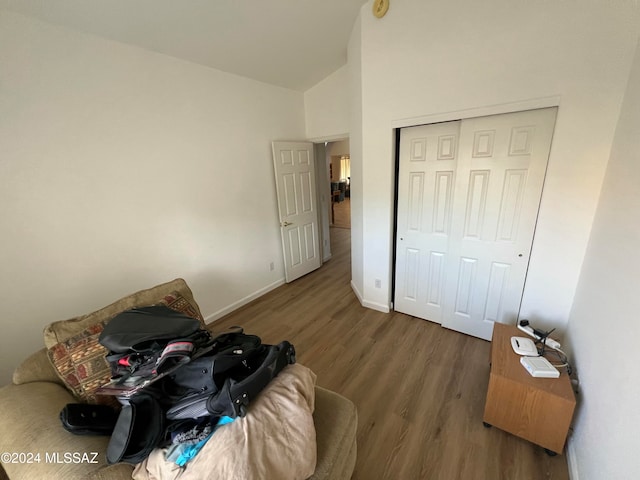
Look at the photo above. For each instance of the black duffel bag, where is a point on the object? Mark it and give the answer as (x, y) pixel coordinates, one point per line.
(139, 329)
(147, 341)
(219, 375)
(209, 367)
(224, 383)
(242, 384)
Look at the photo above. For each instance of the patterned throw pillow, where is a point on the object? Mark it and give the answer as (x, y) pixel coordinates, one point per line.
(81, 364)
(177, 302)
(80, 360)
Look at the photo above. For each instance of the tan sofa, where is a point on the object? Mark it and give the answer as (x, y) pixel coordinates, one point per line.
(30, 425)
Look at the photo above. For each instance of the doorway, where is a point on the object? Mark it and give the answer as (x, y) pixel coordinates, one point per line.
(339, 167)
(468, 198)
(329, 205)
(340, 173)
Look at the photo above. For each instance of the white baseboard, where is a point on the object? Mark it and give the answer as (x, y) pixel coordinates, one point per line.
(381, 307)
(243, 301)
(357, 292)
(365, 303)
(572, 461)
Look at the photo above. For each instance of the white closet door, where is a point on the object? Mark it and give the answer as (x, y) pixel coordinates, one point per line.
(425, 199)
(475, 269)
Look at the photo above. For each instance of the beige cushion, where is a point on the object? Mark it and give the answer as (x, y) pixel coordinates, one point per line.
(275, 440)
(23, 407)
(30, 423)
(36, 368)
(336, 422)
(62, 330)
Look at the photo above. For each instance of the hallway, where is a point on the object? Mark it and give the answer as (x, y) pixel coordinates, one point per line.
(342, 213)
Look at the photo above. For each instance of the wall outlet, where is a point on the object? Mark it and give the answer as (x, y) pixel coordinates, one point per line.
(271, 267)
(378, 283)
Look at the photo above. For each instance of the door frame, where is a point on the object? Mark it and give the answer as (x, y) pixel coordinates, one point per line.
(533, 104)
(397, 125)
(323, 190)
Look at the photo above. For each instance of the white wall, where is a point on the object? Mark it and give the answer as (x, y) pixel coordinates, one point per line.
(338, 148)
(327, 107)
(121, 169)
(354, 69)
(447, 56)
(603, 328)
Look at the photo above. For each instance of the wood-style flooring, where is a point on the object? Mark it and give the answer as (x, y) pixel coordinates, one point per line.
(419, 388)
(342, 213)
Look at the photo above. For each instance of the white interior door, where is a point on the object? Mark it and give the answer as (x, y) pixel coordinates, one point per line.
(471, 273)
(428, 157)
(296, 188)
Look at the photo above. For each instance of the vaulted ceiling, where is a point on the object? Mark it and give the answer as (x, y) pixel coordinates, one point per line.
(290, 43)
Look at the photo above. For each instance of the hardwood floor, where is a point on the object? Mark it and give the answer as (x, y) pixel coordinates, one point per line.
(342, 213)
(419, 388)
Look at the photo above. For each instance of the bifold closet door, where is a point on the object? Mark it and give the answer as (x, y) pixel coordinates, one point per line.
(468, 199)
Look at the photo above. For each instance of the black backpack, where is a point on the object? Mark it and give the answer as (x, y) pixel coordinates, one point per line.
(168, 369)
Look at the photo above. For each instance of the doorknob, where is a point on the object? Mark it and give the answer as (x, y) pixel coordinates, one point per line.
(285, 224)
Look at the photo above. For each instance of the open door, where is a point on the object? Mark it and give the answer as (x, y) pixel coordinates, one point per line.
(294, 169)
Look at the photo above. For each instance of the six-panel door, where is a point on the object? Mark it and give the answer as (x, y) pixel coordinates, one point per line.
(468, 199)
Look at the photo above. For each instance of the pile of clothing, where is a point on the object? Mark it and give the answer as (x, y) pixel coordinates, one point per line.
(189, 436)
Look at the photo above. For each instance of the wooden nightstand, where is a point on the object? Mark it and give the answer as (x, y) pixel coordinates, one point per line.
(536, 409)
